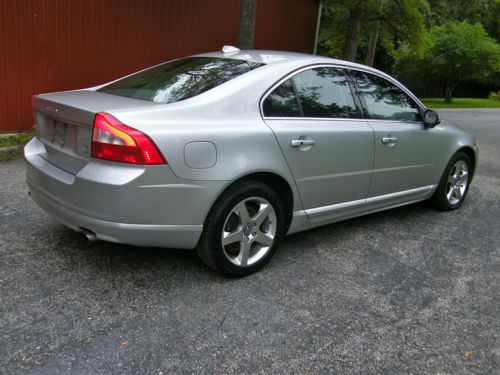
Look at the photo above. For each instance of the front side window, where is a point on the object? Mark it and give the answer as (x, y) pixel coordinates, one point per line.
(384, 100)
(325, 92)
(180, 79)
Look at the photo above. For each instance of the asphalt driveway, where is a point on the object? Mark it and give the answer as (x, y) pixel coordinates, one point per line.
(410, 290)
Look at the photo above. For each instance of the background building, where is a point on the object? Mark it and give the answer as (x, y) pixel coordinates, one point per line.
(56, 45)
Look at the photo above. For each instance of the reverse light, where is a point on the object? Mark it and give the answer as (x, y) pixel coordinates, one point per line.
(115, 141)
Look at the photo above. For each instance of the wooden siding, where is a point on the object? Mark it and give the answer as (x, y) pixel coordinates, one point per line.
(55, 45)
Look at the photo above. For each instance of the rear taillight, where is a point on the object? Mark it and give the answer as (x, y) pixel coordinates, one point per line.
(112, 140)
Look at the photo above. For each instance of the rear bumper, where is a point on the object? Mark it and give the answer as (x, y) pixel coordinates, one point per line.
(142, 206)
(173, 236)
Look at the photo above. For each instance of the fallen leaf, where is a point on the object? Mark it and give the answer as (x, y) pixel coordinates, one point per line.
(184, 319)
(125, 342)
(467, 354)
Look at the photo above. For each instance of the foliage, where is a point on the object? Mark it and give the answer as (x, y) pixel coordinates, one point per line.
(11, 145)
(454, 53)
(15, 139)
(495, 96)
(399, 21)
(486, 12)
(432, 45)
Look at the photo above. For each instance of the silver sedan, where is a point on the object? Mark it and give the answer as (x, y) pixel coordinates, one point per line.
(227, 152)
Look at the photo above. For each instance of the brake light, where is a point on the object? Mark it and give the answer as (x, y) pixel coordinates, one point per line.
(112, 140)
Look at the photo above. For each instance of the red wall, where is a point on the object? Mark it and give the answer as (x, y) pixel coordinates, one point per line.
(54, 45)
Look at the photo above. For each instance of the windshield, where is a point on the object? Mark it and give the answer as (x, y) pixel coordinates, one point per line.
(180, 79)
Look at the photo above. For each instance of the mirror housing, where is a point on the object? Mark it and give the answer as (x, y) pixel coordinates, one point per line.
(431, 118)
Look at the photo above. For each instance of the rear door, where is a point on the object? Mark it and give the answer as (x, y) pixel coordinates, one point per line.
(405, 149)
(326, 142)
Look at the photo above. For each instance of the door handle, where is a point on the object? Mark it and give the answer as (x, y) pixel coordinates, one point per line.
(302, 142)
(389, 139)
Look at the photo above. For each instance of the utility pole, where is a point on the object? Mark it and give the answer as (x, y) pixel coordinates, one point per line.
(248, 11)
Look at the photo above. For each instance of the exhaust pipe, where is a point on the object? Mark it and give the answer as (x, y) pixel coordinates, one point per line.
(91, 236)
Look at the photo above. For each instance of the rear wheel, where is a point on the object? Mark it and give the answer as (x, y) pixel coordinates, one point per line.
(454, 183)
(242, 229)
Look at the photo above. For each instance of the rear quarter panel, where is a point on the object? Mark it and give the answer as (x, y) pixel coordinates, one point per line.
(228, 117)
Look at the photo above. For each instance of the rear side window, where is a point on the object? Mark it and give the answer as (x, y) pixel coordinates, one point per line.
(282, 102)
(325, 92)
(180, 79)
(384, 100)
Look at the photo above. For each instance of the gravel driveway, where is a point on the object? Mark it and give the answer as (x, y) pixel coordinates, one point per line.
(410, 290)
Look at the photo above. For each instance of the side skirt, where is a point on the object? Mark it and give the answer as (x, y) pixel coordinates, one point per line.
(315, 217)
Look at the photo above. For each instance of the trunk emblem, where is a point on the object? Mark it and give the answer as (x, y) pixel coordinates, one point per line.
(51, 109)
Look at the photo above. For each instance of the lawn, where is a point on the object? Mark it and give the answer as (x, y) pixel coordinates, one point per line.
(462, 103)
(11, 145)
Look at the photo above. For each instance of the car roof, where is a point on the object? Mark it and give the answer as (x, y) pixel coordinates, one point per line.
(269, 57)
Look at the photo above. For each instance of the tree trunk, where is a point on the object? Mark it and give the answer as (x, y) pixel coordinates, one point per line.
(248, 10)
(372, 45)
(372, 41)
(448, 92)
(353, 30)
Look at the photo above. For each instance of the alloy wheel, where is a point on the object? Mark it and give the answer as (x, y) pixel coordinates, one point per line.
(249, 231)
(458, 180)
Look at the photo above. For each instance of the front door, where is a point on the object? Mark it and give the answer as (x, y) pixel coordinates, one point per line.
(404, 147)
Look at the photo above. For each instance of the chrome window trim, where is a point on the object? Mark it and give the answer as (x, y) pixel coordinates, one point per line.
(337, 119)
(290, 75)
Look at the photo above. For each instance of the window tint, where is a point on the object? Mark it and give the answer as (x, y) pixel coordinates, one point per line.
(282, 102)
(324, 92)
(181, 79)
(385, 100)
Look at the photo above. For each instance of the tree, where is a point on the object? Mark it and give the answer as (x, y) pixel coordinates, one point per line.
(248, 10)
(455, 52)
(348, 24)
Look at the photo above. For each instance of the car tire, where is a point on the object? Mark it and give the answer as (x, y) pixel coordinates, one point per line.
(454, 184)
(242, 230)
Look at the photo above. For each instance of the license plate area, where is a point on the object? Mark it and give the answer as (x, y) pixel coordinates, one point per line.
(58, 133)
(67, 144)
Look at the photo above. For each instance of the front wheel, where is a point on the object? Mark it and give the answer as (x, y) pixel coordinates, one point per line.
(242, 229)
(454, 183)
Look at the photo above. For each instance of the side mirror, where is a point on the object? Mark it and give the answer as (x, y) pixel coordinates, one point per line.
(431, 118)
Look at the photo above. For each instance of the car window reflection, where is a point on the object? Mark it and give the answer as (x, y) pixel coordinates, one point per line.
(384, 100)
(181, 79)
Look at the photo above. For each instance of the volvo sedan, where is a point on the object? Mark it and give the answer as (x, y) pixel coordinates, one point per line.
(228, 152)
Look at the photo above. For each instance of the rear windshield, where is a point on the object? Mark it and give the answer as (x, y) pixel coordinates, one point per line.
(180, 79)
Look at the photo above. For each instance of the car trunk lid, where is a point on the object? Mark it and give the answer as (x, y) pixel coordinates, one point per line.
(64, 123)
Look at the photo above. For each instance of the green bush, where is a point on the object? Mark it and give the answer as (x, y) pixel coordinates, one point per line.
(495, 96)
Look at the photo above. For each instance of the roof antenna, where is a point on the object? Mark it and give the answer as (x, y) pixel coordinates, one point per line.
(230, 49)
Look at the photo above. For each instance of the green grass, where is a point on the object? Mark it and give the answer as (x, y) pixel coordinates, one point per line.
(11, 145)
(462, 103)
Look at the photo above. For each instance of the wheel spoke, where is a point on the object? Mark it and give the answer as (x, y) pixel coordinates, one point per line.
(244, 253)
(264, 239)
(233, 237)
(262, 214)
(242, 211)
(464, 178)
(449, 194)
(458, 193)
